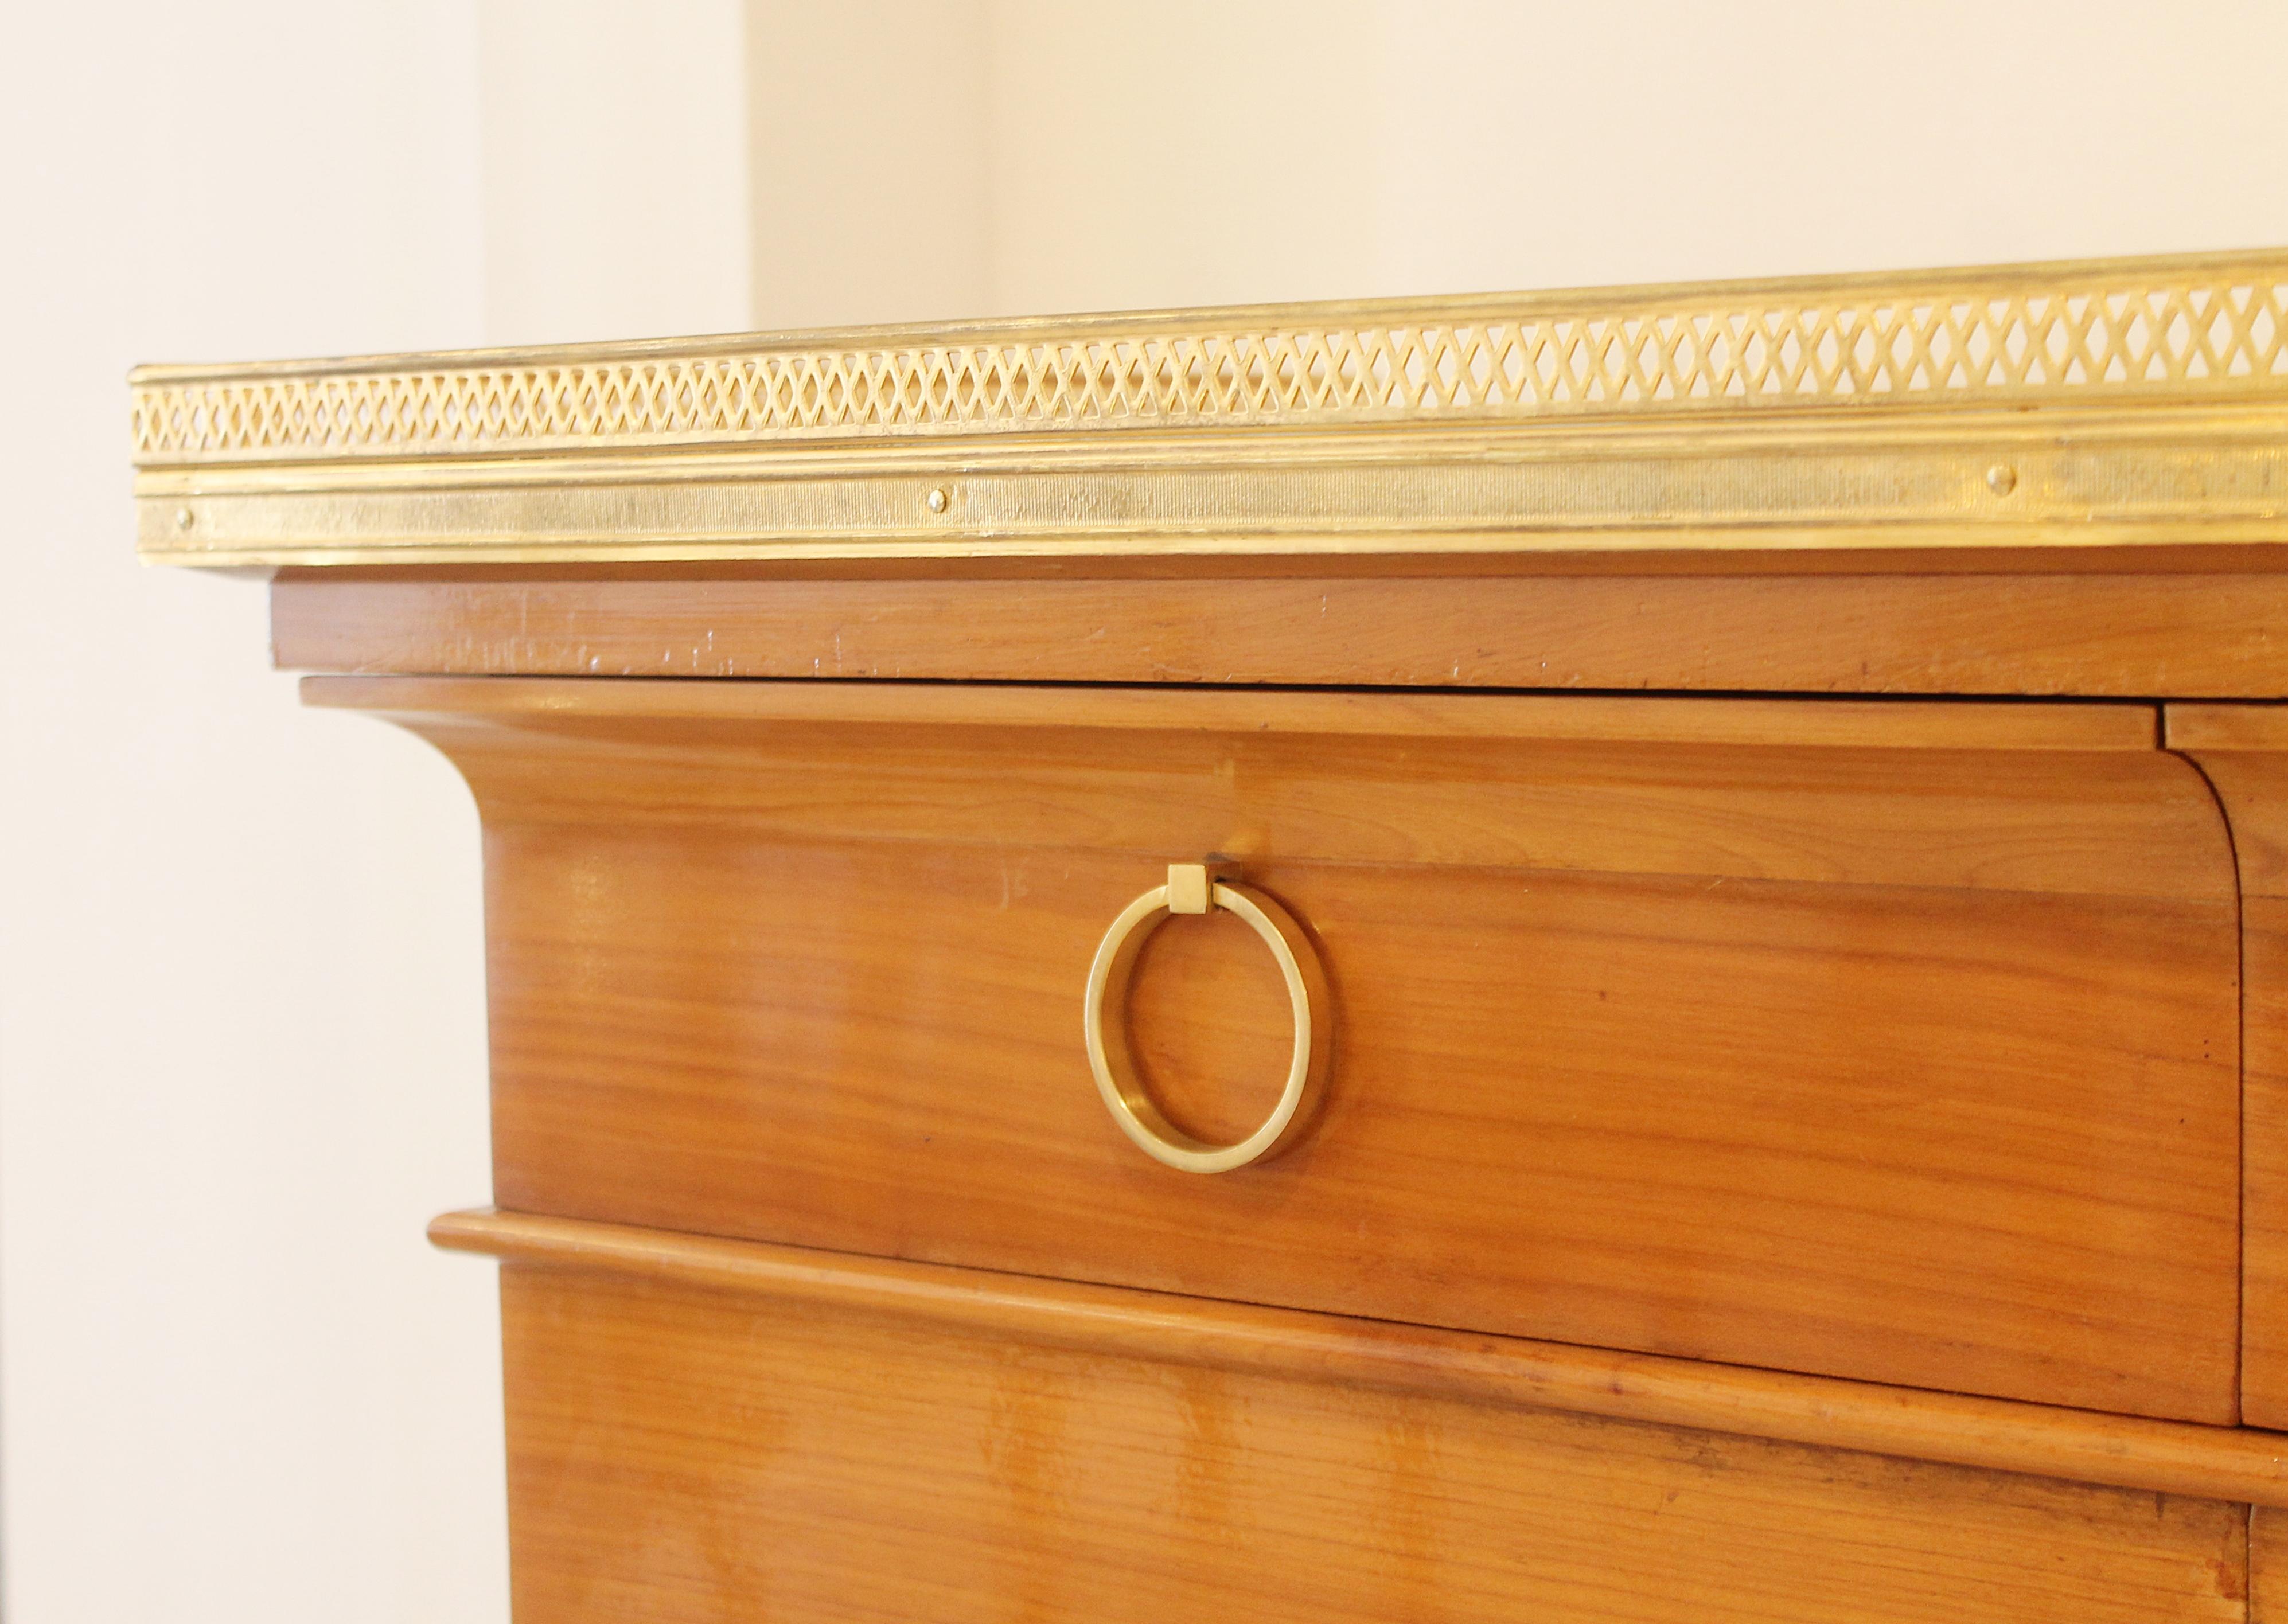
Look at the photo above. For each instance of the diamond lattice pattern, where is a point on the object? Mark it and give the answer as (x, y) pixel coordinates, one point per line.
(2203, 336)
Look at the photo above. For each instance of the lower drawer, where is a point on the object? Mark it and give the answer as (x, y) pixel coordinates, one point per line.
(678, 1453)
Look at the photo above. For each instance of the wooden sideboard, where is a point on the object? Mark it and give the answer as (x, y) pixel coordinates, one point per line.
(1592, 957)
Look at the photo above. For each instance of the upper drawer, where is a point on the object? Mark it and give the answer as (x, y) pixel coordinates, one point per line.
(1897, 1042)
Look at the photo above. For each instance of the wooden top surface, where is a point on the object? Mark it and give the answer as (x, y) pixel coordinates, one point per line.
(2072, 407)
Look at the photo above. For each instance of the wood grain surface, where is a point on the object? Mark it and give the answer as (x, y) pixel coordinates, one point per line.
(2194, 635)
(1891, 724)
(2267, 1566)
(681, 1455)
(2243, 750)
(2170, 1457)
(1913, 1065)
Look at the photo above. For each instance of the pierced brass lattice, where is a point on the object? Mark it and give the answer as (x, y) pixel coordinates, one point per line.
(2021, 335)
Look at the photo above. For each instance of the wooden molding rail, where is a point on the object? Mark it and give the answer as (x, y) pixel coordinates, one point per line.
(2227, 1463)
(1734, 723)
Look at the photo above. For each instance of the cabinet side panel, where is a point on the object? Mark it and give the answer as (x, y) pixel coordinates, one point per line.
(2252, 781)
(2267, 1566)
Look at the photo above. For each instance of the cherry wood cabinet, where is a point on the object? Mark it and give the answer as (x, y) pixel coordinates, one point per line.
(1732, 839)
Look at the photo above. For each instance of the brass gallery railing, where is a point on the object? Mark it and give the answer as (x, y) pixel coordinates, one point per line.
(2073, 404)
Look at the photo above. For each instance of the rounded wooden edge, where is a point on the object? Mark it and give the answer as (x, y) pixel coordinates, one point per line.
(1806, 721)
(2256, 726)
(2225, 1464)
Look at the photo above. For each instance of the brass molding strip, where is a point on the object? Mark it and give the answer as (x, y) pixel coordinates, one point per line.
(2227, 1463)
(2057, 405)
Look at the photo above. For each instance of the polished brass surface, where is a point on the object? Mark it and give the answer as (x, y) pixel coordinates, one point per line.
(1191, 889)
(2055, 406)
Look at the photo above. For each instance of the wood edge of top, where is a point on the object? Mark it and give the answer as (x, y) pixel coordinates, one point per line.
(1806, 721)
(2213, 1462)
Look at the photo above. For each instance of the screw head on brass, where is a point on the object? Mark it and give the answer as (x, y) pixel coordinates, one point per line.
(183, 520)
(2001, 479)
(937, 500)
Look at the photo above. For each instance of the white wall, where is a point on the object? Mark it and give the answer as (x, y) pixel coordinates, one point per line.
(240, 1046)
(868, 132)
(614, 168)
(241, 1009)
(1140, 153)
(240, 1021)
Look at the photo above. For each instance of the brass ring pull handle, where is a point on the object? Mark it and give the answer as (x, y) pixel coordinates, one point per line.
(1191, 889)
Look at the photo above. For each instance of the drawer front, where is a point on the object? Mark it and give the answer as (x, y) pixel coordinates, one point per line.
(1889, 1043)
(679, 1455)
